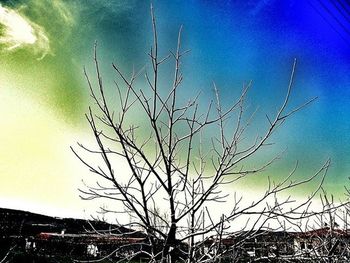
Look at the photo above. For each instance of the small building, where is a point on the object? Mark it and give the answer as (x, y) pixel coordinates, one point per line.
(249, 245)
(88, 244)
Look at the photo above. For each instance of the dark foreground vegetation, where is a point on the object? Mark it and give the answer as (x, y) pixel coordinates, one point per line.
(28, 237)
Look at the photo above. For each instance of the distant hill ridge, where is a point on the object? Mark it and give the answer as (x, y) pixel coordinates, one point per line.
(23, 223)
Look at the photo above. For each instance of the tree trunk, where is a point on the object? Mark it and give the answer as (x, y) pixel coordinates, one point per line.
(170, 246)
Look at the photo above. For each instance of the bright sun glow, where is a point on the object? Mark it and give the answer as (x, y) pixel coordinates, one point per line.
(31, 162)
(16, 31)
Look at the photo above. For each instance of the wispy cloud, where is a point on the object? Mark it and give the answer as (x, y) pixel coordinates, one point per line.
(64, 12)
(17, 31)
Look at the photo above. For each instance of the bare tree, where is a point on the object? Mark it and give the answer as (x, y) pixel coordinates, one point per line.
(180, 159)
(325, 237)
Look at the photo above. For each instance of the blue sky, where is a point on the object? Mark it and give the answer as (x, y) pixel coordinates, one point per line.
(44, 46)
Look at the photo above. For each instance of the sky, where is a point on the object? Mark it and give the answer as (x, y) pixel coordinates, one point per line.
(45, 44)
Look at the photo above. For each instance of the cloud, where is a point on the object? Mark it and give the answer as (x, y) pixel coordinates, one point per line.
(56, 12)
(63, 12)
(17, 31)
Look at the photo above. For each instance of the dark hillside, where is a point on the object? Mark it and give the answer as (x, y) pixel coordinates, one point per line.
(22, 223)
(31, 235)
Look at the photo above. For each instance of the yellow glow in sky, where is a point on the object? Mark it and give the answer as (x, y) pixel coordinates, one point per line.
(36, 165)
